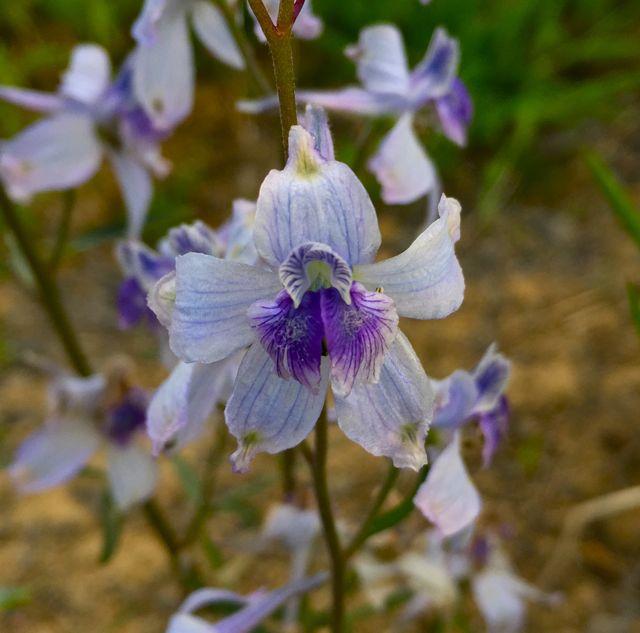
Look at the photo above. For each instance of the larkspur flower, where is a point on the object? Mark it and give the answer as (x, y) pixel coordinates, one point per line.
(86, 413)
(319, 311)
(306, 26)
(184, 401)
(163, 68)
(254, 608)
(400, 164)
(90, 117)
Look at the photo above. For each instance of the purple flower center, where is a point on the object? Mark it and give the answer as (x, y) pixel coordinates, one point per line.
(127, 417)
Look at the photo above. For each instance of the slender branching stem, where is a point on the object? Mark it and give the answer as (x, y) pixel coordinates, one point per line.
(363, 532)
(323, 499)
(62, 232)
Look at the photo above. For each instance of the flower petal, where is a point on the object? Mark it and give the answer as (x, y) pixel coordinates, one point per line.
(315, 266)
(209, 321)
(381, 59)
(56, 153)
(314, 200)
(494, 425)
(161, 299)
(32, 99)
(145, 28)
(491, 375)
(434, 75)
(448, 497)
(267, 413)
(194, 238)
(351, 99)
(132, 303)
(53, 455)
(426, 280)
(455, 398)
(136, 187)
(358, 335)
(88, 75)
(391, 418)
(291, 335)
(212, 30)
(402, 166)
(163, 72)
(132, 474)
(137, 260)
(184, 402)
(455, 111)
(315, 121)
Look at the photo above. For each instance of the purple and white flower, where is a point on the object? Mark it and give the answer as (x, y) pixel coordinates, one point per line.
(89, 118)
(253, 608)
(84, 415)
(319, 311)
(163, 67)
(306, 26)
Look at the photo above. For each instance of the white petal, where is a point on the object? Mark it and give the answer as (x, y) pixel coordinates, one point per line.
(132, 474)
(32, 99)
(88, 75)
(448, 497)
(402, 166)
(212, 29)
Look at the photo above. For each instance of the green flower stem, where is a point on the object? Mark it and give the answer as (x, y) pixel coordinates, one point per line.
(62, 233)
(338, 563)
(49, 293)
(363, 533)
(261, 83)
(279, 39)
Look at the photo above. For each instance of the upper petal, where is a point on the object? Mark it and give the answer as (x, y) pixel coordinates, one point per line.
(349, 99)
(32, 99)
(212, 29)
(391, 418)
(426, 280)
(56, 153)
(145, 28)
(381, 59)
(314, 200)
(88, 75)
(132, 474)
(268, 413)
(163, 73)
(455, 111)
(492, 376)
(402, 166)
(358, 335)
(54, 454)
(455, 398)
(448, 496)
(434, 75)
(315, 121)
(209, 321)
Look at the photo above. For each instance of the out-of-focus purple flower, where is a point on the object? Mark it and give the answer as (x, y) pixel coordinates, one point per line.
(389, 87)
(89, 118)
(321, 312)
(254, 608)
(163, 68)
(478, 394)
(307, 25)
(83, 416)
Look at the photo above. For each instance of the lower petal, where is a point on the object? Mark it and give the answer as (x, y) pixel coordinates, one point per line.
(267, 413)
(358, 335)
(132, 474)
(391, 418)
(212, 29)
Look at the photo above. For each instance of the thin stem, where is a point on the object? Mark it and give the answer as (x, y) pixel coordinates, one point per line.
(363, 533)
(319, 474)
(288, 468)
(62, 234)
(279, 39)
(49, 294)
(258, 78)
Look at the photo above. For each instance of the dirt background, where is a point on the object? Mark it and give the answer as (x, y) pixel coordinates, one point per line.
(546, 282)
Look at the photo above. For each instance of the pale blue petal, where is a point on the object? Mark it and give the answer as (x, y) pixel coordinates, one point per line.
(433, 77)
(402, 166)
(136, 187)
(32, 99)
(183, 403)
(425, 281)
(455, 111)
(137, 260)
(448, 497)
(455, 399)
(145, 28)
(391, 418)
(132, 474)
(497, 594)
(381, 60)
(53, 455)
(314, 200)
(351, 99)
(194, 238)
(237, 233)
(315, 121)
(267, 413)
(492, 376)
(185, 623)
(88, 76)
(56, 153)
(207, 596)
(307, 26)
(163, 73)
(213, 295)
(212, 30)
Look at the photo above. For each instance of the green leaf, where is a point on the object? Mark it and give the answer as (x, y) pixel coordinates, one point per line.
(212, 552)
(616, 196)
(188, 478)
(111, 522)
(13, 597)
(633, 292)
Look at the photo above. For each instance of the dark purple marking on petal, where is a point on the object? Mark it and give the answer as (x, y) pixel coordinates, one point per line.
(358, 335)
(132, 304)
(291, 336)
(455, 111)
(494, 426)
(194, 238)
(127, 417)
